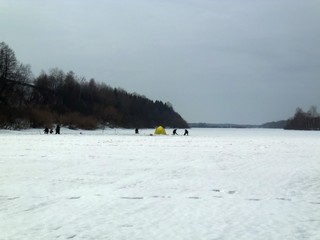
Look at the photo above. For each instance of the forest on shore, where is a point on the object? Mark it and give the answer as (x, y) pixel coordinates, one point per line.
(63, 98)
(302, 120)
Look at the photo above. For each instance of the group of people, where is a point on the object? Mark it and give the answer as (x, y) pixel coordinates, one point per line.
(186, 132)
(47, 131)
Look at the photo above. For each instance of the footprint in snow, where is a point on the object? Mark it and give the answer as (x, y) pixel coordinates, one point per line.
(12, 198)
(254, 199)
(284, 199)
(156, 196)
(126, 226)
(72, 236)
(132, 198)
(76, 197)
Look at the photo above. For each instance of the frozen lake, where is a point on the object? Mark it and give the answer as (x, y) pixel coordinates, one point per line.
(226, 184)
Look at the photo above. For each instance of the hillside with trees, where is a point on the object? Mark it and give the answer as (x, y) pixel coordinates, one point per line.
(309, 120)
(58, 97)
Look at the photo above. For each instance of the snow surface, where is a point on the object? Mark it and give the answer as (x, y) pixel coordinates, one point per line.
(112, 184)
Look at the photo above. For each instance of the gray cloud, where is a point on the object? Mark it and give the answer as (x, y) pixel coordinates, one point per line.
(215, 61)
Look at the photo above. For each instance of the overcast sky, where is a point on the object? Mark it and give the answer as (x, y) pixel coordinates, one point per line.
(215, 61)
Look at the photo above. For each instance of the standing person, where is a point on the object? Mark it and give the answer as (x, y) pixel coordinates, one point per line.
(186, 133)
(175, 132)
(58, 129)
(46, 130)
(137, 131)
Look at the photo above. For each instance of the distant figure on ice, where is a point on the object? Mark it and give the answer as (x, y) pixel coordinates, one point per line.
(46, 130)
(51, 131)
(58, 129)
(136, 131)
(186, 133)
(175, 132)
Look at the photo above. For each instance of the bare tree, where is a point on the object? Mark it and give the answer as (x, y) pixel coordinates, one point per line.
(313, 112)
(23, 73)
(8, 62)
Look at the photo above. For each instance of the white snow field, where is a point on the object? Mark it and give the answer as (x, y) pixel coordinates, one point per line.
(226, 184)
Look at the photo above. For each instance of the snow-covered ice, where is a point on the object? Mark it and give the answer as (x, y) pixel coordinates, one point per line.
(227, 184)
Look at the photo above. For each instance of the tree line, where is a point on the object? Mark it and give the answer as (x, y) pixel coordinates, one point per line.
(64, 98)
(301, 120)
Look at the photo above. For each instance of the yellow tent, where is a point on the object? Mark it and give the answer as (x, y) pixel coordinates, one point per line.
(160, 131)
